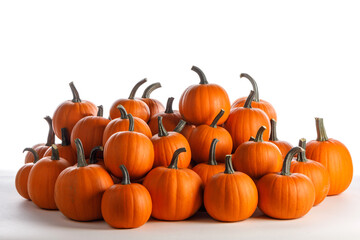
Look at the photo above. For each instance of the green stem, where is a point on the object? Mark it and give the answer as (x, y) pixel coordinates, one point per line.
(100, 112)
(51, 134)
(55, 152)
(217, 118)
(320, 129)
(249, 99)
(252, 139)
(285, 171)
(123, 113)
(93, 154)
(301, 157)
(131, 122)
(150, 89)
(75, 93)
(126, 177)
(65, 138)
(212, 159)
(273, 132)
(259, 134)
(169, 104)
(80, 153)
(36, 155)
(162, 130)
(201, 75)
(135, 88)
(180, 126)
(228, 165)
(175, 158)
(254, 85)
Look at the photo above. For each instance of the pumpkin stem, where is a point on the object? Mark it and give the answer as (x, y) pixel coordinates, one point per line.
(212, 159)
(150, 89)
(252, 139)
(217, 118)
(123, 113)
(285, 171)
(131, 122)
(93, 154)
(100, 112)
(180, 126)
(249, 99)
(301, 157)
(36, 155)
(273, 132)
(55, 152)
(162, 130)
(254, 85)
(51, 134)
(65, 138)
(175, 157)
(228, 165)
(201, 75)
(169, 104)
(75, 93)
(135, 88)
(80, 153)
(259, 134)
(126, 177)
(320, 129)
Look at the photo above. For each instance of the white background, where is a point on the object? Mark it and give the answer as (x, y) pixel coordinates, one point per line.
(304, 56)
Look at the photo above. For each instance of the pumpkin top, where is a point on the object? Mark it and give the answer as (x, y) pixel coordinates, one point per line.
(51, 134)
(285, 171)
(228, 165)
(259, 134)
(65, 138)
(55, 152)
(273, 134)
(150, 89)
(180, 126)
(126, 177)
(169, 104)
(301, 157)
(249, 99)
(75, 93)
(212, 159)
(217, 118)
(201, 74)
(136, 87)
(162, 130)
(123, 113)
(36, 155)
(100, 112)
(80, 153)
(93, 154)
(175, 157)
(254, 85)
(320, 129)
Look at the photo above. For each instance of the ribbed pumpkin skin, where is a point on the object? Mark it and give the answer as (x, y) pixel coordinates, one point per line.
(283, 146)
(206, 171)
(169, 120)
(126, 206)
(336, 158)
(285, 197)
(21, 180)
(317, 174)
(155, 106)
(262, 104)
(230, 197)
(66, 152)
(176, 193)
(136, 107)
(78, 192)
(40, 149)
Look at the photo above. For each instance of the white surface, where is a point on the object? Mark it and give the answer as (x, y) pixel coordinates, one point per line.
(337, 217)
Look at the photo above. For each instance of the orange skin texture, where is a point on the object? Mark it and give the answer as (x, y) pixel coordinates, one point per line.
(21, 180)
(68, 114)
(40, 149)
(336, 158)
(206, 171)
(41, 181)
(199, 104)
(90, 131)
(230, 197)
(283, 146)
(176, 194)
(126, 206)
(200, 141)
(285, 197)
(164, 148)
(136, 107)
(132, 149)
(66, 152)
(257, 159)
(317, 174)
(169, 120)
(262, 104)
(119, 125)
(78, 192)
(155, 106)
(244, 123)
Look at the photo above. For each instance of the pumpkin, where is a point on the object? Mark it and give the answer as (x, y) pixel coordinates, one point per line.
(136, 107)
(244, 122)
(155, 106)
(130, 148)
(286, 195)
(334, 156)
(314, 170)
(41, 148)
(70, 112)
(284, 146)
(257, 158)
(230, 196)
(90, 131)
(202, 136)
(22, 176)
(176, 193)
(79, 189)
(257, 102)
(209, 169)
(122, 124)
(199, 104)
(126, 205)
(65, 150)
(42, 178)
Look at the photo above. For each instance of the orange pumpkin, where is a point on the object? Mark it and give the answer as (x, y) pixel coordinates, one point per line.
(70, 112)
(176, 193)
(257, 158)
(136, 107)
(284, 146)
(257, 102)
(334, 156)
(126, 205)
(79, 189)
(199, 104)
(315, 171)
(286, 195)
(155, 106)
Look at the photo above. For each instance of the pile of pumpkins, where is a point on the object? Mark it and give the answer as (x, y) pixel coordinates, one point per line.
(147, 160)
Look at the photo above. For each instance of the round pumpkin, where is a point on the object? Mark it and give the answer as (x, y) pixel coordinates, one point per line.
(284, 146)
(155, 106)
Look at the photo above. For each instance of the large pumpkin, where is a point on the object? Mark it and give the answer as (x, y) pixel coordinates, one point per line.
(155, 106)
(284, 146)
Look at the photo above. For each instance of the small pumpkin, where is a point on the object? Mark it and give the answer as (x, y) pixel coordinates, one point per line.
(155, 106)
(286, 195)
(176, 193)
(284, 146)
(334, 156)
(126, 205)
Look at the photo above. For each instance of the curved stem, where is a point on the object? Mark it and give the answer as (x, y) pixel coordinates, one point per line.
(55, 152)
(180, 126)
(126, 177)
(135, 88)
(123, 113)
(217, 118)
(212, 159)
(162, 130)
(169, 104)
(259, 134)
(254, 85)
(75, 93)
(320, 129)
(131, 122)
(252, 139)
(51, 134)
(273, 132)
(80, 154)
(228, 165)
(175, 157)
(249, 99)
(287, 161)
(100, 112)
(201, 75)
(93, 154)
(150, 89)
(36, 155)
(301, 157)
(65, 137)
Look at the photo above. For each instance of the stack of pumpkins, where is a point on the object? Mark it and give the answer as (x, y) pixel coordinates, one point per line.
(167, 163)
